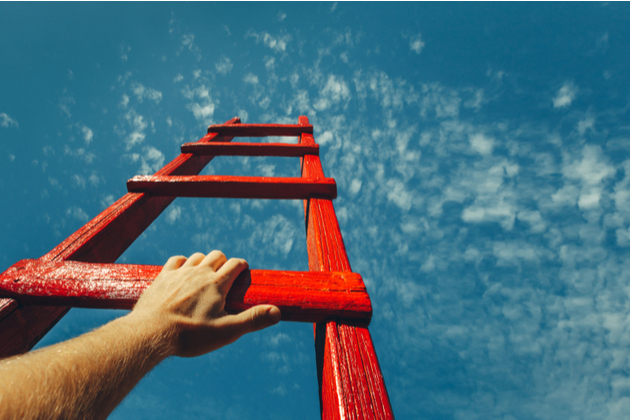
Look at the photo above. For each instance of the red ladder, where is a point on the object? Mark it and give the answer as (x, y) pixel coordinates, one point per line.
(80, 272)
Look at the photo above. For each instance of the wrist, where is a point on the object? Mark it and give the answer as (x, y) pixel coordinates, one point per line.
(154, 336)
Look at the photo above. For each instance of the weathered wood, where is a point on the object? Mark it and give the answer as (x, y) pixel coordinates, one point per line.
(301, 296)
(233, 187)
(260, 130)
(103, 239)
(350, 379)
(250, 149)
(7, 306)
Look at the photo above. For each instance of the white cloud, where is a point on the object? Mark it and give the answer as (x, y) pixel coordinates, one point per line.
(107, 201)
(174, 214)
(481, 144)
(124, 52)
(591, 169)
(589, 173)
(202, 104)
(77, 213)
(494, 197)
(355, 186)
(565, 95)
(277, 234)
(64, 104)
(281, 16)
(399, 195)
(94, 179)
(88, 134)
(178, 78)
(224, 65)
(334, 91)
(78, 180)
(586, 124)
(124, 102)
(79, 153)
(202, 113)
(270, 63)
(138, 125)
(188, 42)
(151, 161)
(6, 121)
(143, 92)
(277, 339)
(416, 44)
(325, 137)
(250, 78)
(277, 43)
(279, 390)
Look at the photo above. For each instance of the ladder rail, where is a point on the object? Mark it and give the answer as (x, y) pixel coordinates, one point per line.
(350, 380)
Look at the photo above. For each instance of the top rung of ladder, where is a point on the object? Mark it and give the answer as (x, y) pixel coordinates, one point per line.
(260, 130)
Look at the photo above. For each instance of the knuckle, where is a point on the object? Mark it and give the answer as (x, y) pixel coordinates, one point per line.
(256, 320)
(253, 323)
(238, 262)
(177, 258)
(197, 254)
(218, 254)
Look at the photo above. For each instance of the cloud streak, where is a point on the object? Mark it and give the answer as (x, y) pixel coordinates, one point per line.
(6, 121)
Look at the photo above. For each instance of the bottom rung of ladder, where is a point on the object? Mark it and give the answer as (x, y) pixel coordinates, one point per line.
(301, 296)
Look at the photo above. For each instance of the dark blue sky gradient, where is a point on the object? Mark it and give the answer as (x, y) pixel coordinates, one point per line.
(481, 155)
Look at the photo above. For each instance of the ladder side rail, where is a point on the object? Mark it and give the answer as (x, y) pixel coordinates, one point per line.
(351, 382)
(100, 240)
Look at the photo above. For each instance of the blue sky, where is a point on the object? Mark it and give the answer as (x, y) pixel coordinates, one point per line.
(481, 153)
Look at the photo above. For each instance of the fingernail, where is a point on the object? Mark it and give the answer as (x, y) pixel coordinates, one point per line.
(273, 314)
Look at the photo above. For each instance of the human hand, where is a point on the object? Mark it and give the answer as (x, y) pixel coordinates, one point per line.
(185, 305)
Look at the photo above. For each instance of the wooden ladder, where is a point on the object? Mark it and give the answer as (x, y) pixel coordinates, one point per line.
(80, 272)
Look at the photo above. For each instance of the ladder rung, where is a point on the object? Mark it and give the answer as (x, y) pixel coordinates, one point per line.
(233, 187)
(260, 130)
(301, 296)
(250, 149)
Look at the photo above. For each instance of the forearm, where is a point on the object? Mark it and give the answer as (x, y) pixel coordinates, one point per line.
(82, 378)
(181, 314)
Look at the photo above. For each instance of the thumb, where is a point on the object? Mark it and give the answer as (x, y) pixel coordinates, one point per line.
(255, 319)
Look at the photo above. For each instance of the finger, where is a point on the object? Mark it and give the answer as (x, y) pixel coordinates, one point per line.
(175, 262)
(229, 272)
(253, 319)
(214, 260)
(194, 259)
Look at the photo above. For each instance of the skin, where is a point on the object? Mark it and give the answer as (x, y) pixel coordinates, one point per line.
(180, 314)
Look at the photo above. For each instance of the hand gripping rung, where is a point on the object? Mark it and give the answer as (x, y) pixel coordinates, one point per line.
(260, 130)
(233, 187)
(250, 149)
(301, 296)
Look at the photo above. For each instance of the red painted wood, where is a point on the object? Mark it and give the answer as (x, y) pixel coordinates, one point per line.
(250, 149)
(260, 130)
(103, 239)
(351, 382)
(233, 187)
(301, 296)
